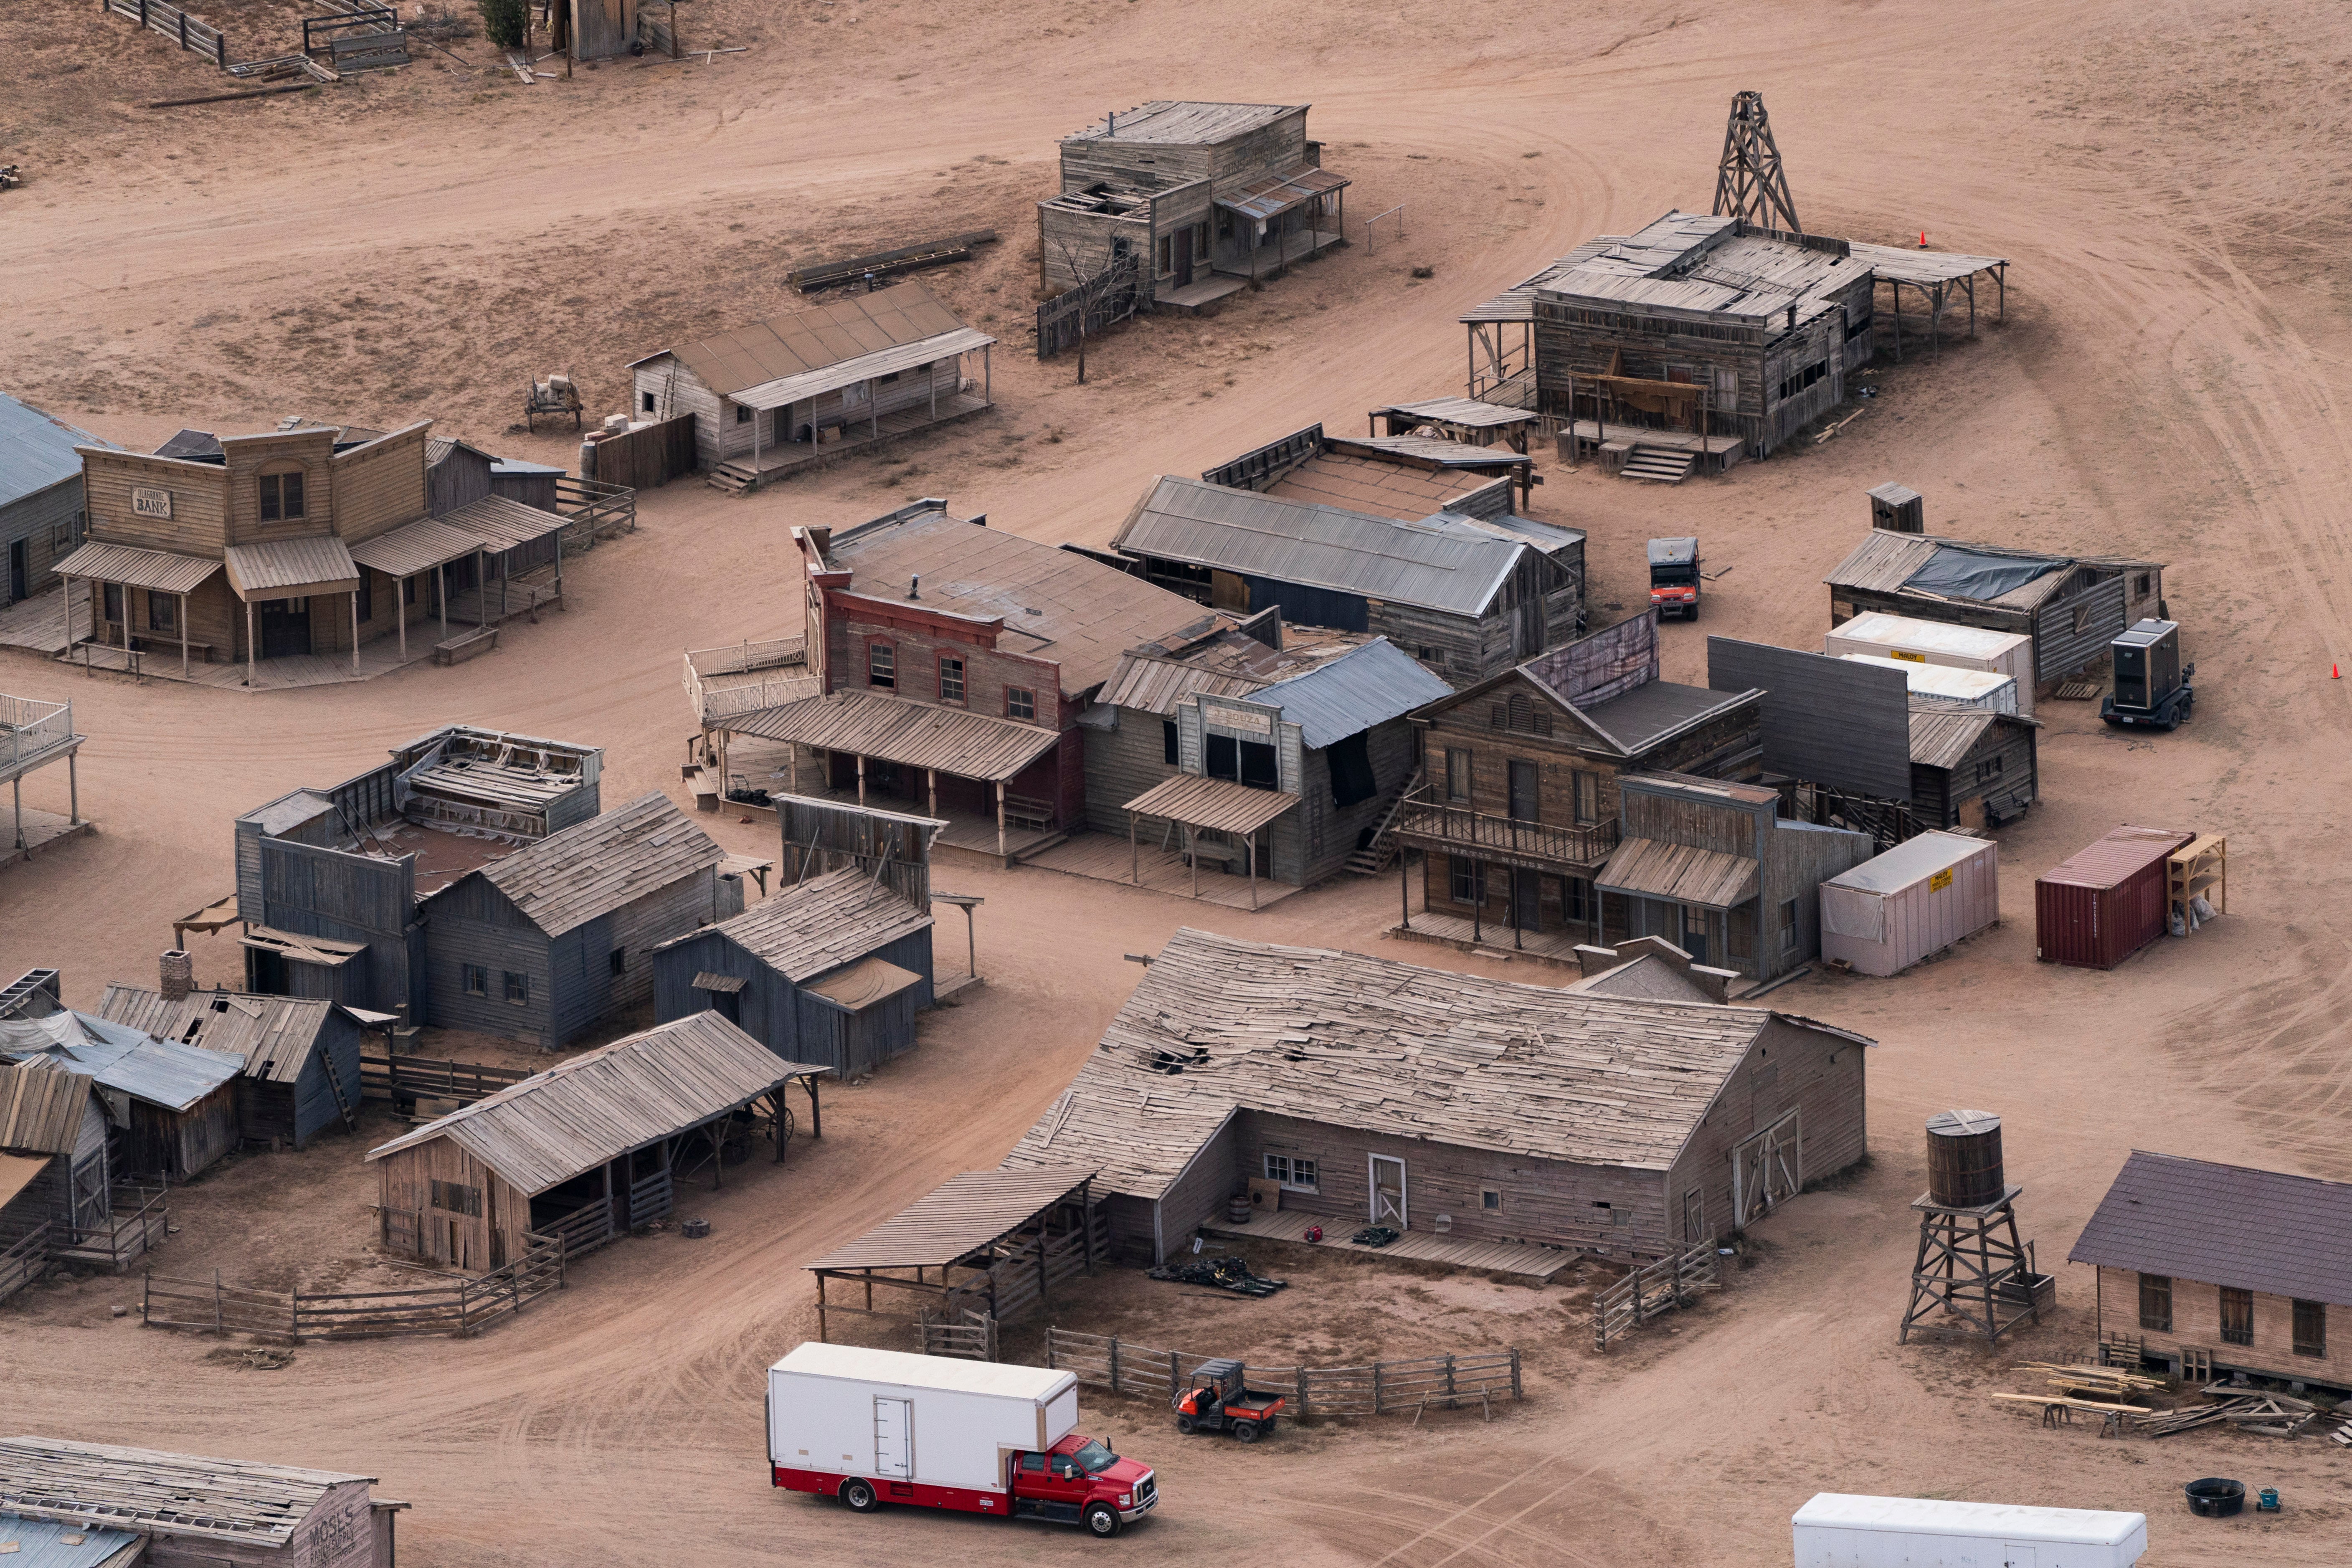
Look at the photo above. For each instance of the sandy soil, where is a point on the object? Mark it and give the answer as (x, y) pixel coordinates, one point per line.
(2168, 182)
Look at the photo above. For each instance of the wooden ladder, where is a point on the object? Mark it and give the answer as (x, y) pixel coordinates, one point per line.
(335, 1082)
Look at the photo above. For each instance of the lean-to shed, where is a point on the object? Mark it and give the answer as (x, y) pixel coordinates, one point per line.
(1920, 897)
(54, 1168)
(301, 1054)
(174, 1105)
(2104, 902)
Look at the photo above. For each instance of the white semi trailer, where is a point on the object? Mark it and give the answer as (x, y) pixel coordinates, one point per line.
(1839, 1531)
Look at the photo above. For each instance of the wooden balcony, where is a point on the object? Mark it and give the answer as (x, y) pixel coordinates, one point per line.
(1430, 823)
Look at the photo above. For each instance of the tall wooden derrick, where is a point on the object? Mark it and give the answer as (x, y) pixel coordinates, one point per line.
(1749, 182)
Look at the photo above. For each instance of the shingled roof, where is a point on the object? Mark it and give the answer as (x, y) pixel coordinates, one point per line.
(592, 867)
(2225, 1225)
(1219, 1025)
(820, 924)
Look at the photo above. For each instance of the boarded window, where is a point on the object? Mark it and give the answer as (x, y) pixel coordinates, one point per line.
(1988, 768)
(114, 602)
(2311, 1327)
(517, 988)
(881, 665)
(2082, 618)
(455, 1197)
(1020, 702)
(2237, 1316)
(2156, 1302)
(476, 979)
(951, 680)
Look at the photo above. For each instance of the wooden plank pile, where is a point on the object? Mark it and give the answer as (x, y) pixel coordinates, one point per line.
(2249, 1410)
(2116, 1384)
(889, 263)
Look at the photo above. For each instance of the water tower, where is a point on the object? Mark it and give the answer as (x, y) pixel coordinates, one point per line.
(1972, 1267)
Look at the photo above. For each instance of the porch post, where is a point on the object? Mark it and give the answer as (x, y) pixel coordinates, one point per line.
(793, 756)
(988, 371)
(931, 780)
(356, 629)
(184, 636)
(861, 779)
(400, 606)
(873, 412)
(73, 789)
(1575, 446)
(481, 585)
(441, 596)
(1477, 900)
(931, 374)
(1249, 848)
(1193, 857)
(506, 570)
(17, 795)
(999, 819)
(1134, 856)
(1405, 888)
(248, 642)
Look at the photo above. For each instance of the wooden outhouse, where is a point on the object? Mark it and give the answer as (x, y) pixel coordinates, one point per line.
(302, 1055)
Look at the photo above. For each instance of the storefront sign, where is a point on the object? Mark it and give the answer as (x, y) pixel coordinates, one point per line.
(148, 502)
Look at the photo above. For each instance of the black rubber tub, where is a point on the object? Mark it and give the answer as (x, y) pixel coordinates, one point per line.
(2215, 1498)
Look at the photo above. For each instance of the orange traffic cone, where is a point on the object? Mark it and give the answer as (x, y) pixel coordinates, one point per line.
(1923, 239)
(2334, 673)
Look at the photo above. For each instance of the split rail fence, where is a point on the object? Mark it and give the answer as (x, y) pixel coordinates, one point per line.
(974, 1337)
(591, 509)
(1110, 297)
(191, 33)
(1378, 1388)
(25, 1260)
(462, 1306)
(1650, 1289)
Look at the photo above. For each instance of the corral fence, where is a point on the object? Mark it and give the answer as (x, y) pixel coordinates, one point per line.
(591, 509)
(1656, 1286)
(1110, 296)
(25, 1260)
(125, 1234)
(191, 33)
(461, 1307)
(1376, 1388)
(403, 1080)
(1023, 1278)
(971, 1336)
(642, 460)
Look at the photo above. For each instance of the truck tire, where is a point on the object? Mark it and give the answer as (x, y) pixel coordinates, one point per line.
(1187, 1425)
(1101, 1520)
(859, 1495)
(1245, 1431)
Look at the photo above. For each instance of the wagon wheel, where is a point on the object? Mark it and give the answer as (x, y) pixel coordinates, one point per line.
(784, 1124)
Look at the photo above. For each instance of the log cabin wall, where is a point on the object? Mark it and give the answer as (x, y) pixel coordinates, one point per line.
(675, 390)
(2000, 769)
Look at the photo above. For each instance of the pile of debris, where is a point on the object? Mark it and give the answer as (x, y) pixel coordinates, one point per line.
(2249, 1410)
(1220, 1274)
(2104, 1391)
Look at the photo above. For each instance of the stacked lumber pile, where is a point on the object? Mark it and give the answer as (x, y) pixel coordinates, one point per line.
(2109, 1382)
(2268, 1414)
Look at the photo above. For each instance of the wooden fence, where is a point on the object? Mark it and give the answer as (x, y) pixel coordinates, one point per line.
(591, 509)
(1378, 1388)
(25, 1260)
(127, 1234)
(1016, 1283)
(644, 459)
(189, 32)
(1111, 295)
(407, 1079)
(973, 1338)
(1653, 1288)
(461, 1307)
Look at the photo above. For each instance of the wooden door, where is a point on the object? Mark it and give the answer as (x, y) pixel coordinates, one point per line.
(284, 627)
(1767, 1170)
(1527, 796)
(1693, 940)
(1527, 899)
(1183, 247)
(1388, 1192)
(19, 576)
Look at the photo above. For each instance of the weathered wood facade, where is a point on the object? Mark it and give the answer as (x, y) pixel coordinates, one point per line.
(296, 1051)
(40, 497)
(1972, 770)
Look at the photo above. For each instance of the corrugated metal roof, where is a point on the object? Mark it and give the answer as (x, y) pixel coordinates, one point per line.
(417, 546)
(1679, 873)
(41, 1106)
(185, 1496)
(1363, 687)
(1220, 804)
(120, 1058)
(2115, 858)
(37, 450)
(66, 1543)
(1277, 193)
(2225, 1225)
(502, 522)
(320, 564)
(601, 1104)
(893, 360)
(912, 734)
(1438, 563)
(1183, 122)
(820, 924)
(158, 570)
(275, 1036)
(959, 1217)
(592, 867)
(812, 339)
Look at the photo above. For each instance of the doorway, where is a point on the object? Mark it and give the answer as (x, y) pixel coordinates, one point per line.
(894, 1437)
(1767, 1170)
(1527, 795)
(19, 571)
(1388, 1192)
(1527, 899)
(1694, 937)
(284, 627)
(1183, 249)
(729, 1005)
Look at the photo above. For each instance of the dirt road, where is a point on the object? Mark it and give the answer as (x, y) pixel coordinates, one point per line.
(2167, 180)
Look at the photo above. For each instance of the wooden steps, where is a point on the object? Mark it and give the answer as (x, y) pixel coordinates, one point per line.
(732, 477)
(1658, 464)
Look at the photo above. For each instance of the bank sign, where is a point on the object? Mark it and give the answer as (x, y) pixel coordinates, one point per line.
(148, 502)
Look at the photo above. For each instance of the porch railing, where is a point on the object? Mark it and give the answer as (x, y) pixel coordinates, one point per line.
(30, 727)
(1432, 824)
(591, 509)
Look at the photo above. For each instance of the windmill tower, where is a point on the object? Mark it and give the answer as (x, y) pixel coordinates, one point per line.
(1748, 183)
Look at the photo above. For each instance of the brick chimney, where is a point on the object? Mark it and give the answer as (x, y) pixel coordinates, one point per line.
(179, 976)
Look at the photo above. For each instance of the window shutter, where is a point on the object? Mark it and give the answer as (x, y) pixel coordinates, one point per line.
(1498, 717)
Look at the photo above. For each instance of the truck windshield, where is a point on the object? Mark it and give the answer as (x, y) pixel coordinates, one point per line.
(1092, 1457)
(1666, 576)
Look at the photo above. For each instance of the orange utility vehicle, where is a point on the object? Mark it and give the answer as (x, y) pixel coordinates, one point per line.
(1222, 1401)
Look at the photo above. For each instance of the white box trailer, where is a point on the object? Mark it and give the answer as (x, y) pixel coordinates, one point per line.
(1920, 897)
(875, 1426)
(1985, 689)
(1839, 1531)
(1916, 641)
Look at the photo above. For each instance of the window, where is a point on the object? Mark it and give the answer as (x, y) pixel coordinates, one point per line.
(2311, 1327)
(163, 611)
(2156, 1302)
(1020, 702)
(281, 497)
(882, 665)
(1575, 899)
(886, 379)
(1168, 752)
(517, 988)
(1292, 1172)
(455, 1197)
(620, 961)
(1588, 799)
(1259, 769)
(1789, 925)
(743, 415)
(1468, 879)
(1804, 379)
(475, 978)
(114, 601)
(1489, 1199)
(951, 680)
(2237, 1316)
(1167, 255)
(1458, 774)
(2140, 585)
(1988, 768)
(366, 595)
(1517, 712)
(1035, 1463)
(644, 401)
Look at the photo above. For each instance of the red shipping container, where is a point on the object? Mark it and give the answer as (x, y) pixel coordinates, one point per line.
(2104, 902)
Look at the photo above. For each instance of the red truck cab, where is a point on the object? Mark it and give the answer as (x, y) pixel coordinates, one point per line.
(1079, 1481)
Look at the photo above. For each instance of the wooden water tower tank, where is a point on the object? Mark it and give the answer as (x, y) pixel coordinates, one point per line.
(1964, 1159)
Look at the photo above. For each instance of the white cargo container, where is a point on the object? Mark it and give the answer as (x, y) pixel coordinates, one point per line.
(1916, 641)
(1838, 1530)
(1988, 689)
(1920, 897)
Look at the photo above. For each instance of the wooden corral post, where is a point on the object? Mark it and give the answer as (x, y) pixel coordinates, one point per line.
(1114, 1364)
(1376, 1388)
(1517, 1393)
(1175, 1379)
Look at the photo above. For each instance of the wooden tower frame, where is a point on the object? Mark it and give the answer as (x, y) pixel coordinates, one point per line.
(1971, 1264)
(1749, 182)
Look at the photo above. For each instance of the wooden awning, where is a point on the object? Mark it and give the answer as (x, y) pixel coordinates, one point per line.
(912, 734)
(1679, 873)
(1218, 805)
(298, 949)
(415, 547)
(958, 1218)
(157, 571)
(291, 568)
(862, 985)
(725, 984)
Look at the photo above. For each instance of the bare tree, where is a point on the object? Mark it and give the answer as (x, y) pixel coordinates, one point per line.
(1097, 273)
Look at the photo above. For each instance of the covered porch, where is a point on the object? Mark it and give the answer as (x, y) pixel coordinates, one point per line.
(1263, 227)
(1220, 820)
(1703, 902)
(799, 421)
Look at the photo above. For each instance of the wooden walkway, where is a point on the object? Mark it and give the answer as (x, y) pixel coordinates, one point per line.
(378, 658)
(1104, 858)
(41, 829)
(1451, 931)
(794, 457)
(36, 625)
(1536, 1263)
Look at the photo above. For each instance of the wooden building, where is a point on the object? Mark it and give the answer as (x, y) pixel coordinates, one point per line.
(1469, 597)
(329, 882)
(950, 662)
(1519, 805)
(1399, 475)
(310, 539)
(2073, 607)
(1208, 197)
(172, 1106)
(180, 1510)
(589, 1149)
(2217, 1268)
(780, 395)
(542, 943)
(1971, 768)
(55, 1165)
(40, 496)
(302, 1055)
(1377, 1092)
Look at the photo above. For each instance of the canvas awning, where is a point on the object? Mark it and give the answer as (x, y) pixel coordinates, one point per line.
(291, 568)
(791, 389)
(1218, 805)
(725, 984)
(302, 949)
(1278, 194)
(1679, 873)
(863, 984)
(157, 571)
(415, 547)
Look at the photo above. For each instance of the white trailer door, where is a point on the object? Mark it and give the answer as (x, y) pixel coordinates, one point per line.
(2016, 1554)
(894, 1437)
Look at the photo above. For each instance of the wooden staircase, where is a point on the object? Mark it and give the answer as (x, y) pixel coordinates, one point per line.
(1379, 855)
(733, 478)
(1661, 464)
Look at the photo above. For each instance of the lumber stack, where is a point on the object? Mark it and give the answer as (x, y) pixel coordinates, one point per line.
(2111, 1382)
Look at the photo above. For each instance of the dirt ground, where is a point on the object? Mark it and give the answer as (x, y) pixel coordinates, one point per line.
(2168, 183)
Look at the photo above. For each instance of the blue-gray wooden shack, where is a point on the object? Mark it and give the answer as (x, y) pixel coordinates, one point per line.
(174, 1106)
(40, 495)
(541, 944)
(301, 1054)
(54, 1169)
(833, 971)
(532, 484)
